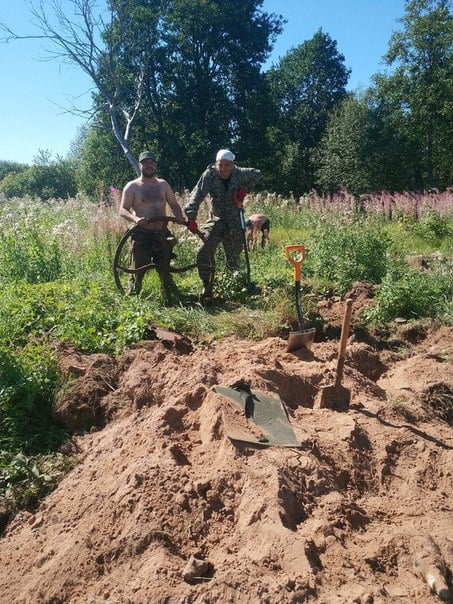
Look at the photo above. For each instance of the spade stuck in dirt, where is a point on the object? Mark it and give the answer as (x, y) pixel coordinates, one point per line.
(304, 337)
(336, 396)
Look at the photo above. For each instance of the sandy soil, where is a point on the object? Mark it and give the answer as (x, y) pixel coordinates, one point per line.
(163, 507)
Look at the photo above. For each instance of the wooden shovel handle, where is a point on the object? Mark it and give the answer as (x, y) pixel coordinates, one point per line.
(296, 262)
(345, 329)
(343, 340)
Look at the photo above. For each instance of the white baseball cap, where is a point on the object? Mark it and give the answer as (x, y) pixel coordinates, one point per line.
(225, 154)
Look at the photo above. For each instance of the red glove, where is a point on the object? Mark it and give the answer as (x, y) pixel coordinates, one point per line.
(192, 225)
(239, 196)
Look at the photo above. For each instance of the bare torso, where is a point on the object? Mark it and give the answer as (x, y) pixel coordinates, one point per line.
(148, 198)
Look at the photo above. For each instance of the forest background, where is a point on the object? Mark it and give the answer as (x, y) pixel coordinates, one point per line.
(185, 77)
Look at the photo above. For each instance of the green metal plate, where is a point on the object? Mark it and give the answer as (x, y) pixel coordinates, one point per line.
(267, 425)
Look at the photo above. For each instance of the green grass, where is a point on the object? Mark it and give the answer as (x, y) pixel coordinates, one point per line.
(429, 235)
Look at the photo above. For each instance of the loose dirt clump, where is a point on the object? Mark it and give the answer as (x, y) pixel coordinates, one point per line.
(164, 507)
(79, 404)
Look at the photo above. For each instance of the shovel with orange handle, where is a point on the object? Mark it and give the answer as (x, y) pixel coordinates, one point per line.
(304, 337)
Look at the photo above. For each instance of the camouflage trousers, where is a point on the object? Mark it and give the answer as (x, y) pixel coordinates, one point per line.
(216, 232)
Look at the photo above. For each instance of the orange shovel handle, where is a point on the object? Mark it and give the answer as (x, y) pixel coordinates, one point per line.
(295, 261)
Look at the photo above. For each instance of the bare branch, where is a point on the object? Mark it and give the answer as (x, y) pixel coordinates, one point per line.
(88, 114)
(78, 40)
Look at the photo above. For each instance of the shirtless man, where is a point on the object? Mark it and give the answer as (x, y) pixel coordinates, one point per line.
(145, 198)
(256, 224)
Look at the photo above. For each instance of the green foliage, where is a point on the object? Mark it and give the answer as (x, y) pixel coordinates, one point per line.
(305, 85)
(392, 154)
(15, 184)
(346, 251)
(433, 226)
(25, 480)
(99, 162)
(228, 282)
(80, 312)
(41, 242)
(411, 295)
(344, 154)
(408, 237)
(27, 384)
(8, 167)
(420, 89)
(216, 51)
(45, 179)
(28, 256)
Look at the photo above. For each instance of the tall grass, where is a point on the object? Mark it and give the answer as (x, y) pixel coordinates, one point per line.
(393, 206)
(57, 280)
(349, 250)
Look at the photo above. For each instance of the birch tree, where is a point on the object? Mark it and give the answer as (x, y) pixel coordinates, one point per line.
(97, 43)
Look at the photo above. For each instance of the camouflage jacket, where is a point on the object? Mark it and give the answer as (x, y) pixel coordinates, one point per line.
(222, 204)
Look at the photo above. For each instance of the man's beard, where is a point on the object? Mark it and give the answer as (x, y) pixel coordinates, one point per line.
(149, 172)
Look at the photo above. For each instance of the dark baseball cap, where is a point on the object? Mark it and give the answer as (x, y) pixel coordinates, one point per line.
(147, 155)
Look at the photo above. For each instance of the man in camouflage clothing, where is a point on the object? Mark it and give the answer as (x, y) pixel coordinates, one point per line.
(227, 185)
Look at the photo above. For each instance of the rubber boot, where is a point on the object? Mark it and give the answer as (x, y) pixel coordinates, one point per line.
(206, 292)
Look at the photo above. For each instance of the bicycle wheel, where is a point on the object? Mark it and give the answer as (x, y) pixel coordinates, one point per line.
(123, 266)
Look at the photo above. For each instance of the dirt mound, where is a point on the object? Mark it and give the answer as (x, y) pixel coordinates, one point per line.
(163, 507)
(424, 381)
(331, 310)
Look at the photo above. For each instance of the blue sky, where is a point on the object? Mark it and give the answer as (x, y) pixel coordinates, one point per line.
(37, 93)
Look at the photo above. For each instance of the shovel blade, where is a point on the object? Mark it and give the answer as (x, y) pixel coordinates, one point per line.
(335, 397)
(300, 339)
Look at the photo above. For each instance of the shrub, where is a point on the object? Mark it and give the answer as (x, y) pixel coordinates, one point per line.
(8, 167)
(25, 480)
(432, 225)
(411, 295)
(45, 179)
(343, 252)
(29, 256)
(27, 384)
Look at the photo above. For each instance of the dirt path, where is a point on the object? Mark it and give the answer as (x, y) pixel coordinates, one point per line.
(339, 520)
